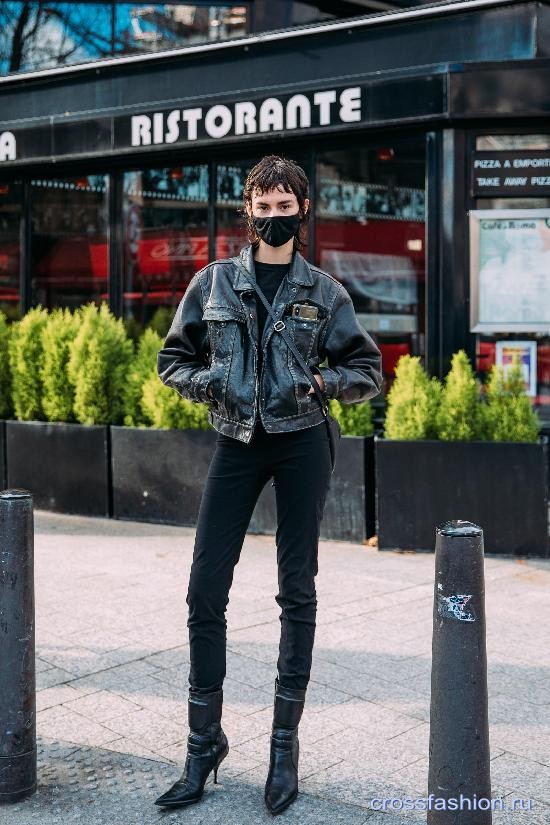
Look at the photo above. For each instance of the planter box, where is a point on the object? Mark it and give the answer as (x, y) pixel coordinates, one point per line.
(349, 510)
(64, 466)
(159, 475)
(501, 486)
(3, 479)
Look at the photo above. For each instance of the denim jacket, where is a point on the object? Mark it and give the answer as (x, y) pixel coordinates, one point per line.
(213, 344)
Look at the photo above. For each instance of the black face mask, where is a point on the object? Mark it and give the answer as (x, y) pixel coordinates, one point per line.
(278, 230)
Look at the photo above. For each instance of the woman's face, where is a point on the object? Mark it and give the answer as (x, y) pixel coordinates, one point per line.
(274, 202)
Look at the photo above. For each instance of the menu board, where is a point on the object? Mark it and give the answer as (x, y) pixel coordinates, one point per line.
(510, 270)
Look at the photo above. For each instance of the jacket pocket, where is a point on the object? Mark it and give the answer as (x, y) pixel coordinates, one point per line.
(223, 323)
(226, 325)
(305, 334)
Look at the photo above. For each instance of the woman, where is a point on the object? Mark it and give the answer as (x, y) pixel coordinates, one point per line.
(224, 350)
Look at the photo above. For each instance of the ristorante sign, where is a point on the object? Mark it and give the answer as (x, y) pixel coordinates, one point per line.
(185, 125)
(190, 122)
(329, 107)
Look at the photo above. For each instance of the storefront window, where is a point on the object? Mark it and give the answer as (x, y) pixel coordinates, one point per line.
(268, 15)
(10, 216)
(70, 240)
(141, 27)
(487, 346)
(165, 225)
(40, 36)
(371, 236)
(230, 230)
(503, 142)
(44, 35)
(231, 234)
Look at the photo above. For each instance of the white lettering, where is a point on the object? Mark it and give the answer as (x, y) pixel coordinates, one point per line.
(298, 103)
(540, 181)
(191, 117)
(531, 162)
(486, 164)
(221, 113)
(141, 130)
(7, 146)
(245, 118)
(172, 121)
(488, 181)
(323, 101)
(158, 127)
(350, 105)
(515, 181)
(271, 115)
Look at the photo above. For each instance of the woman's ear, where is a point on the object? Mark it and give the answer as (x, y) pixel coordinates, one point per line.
(306, 206)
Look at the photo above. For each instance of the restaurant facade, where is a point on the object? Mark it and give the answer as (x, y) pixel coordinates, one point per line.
(424, 132)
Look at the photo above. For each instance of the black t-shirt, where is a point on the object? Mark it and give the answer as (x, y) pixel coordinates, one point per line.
(268, 278)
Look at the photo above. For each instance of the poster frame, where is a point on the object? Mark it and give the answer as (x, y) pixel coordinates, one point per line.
(527, 346)
(475, 217)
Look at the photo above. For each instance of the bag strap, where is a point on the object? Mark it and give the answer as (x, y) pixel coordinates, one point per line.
(279, 326)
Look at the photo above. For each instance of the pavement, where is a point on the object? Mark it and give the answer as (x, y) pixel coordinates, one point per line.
(112, 669)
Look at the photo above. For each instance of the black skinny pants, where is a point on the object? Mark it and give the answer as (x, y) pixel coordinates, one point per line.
(299, 463)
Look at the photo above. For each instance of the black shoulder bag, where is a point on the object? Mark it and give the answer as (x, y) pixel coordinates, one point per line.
(333, 427)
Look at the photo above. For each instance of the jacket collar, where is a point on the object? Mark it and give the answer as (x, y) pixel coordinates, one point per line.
(299, 273)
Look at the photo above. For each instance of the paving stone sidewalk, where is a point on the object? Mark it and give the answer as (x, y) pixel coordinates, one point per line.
(112, 672)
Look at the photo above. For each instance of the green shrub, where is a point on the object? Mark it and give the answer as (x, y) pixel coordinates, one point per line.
(508, 414)
(159, 323)
(57, 336)
(458, 416)
(134, 329)
(161, 320)
(144, 362)
(99, 361)
(412, 401)
(167, 410)
(25, 353)
(6, 407)
(354, 419)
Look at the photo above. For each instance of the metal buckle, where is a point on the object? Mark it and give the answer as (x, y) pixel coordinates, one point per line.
(279, 325)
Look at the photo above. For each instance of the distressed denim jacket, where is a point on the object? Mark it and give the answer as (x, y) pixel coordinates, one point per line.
(213, 344)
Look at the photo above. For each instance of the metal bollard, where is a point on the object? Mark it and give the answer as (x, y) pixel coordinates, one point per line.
(17, 648)
(459, 767)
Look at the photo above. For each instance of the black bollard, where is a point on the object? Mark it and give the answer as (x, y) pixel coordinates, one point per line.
(17, 651)
(459, 767)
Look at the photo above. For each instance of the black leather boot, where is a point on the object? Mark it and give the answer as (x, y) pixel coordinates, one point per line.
(207, 746)
(281, 788)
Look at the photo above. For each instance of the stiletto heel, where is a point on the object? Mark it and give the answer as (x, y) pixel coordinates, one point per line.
(218, 763)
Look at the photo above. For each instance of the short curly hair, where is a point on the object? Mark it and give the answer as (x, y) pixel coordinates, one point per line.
(269, 173)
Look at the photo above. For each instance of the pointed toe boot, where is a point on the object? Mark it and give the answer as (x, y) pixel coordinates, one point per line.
(207, 747)
(281, 788)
